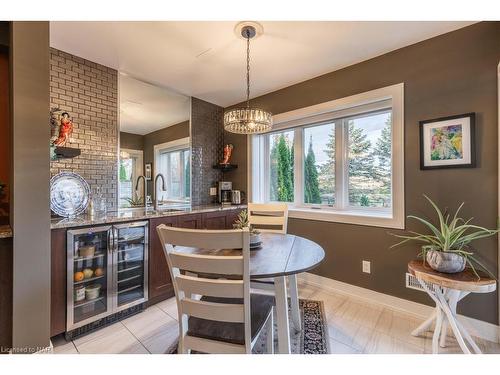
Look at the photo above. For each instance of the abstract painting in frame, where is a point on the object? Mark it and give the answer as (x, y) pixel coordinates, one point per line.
(448, 142)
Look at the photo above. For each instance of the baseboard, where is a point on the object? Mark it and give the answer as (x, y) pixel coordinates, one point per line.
(476, 327)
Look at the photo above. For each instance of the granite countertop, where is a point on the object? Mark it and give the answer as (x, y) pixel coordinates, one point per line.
(5, 231)
(135, 214)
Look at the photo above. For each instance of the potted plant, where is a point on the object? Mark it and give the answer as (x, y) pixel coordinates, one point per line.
(447, 248)
(242, 222)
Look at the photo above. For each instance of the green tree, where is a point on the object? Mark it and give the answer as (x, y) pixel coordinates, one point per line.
(311, 183)
(361, 163)
(123, 172)
(273, 173)
(383, 154)
(285, 184)
(327, 170)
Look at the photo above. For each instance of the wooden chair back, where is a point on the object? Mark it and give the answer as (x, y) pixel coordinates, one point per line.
(188, 284)
(268, 217)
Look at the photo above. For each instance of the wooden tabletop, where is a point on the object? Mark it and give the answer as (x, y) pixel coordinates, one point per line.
(279, 255)
(465, 280)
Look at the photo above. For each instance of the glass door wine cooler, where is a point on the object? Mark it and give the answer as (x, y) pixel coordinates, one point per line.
(107, 271)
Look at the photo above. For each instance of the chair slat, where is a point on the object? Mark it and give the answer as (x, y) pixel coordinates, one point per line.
(212, 346)
(208, 287)
(221, 312)
(220, 265)
(207, 239)
(268, 220)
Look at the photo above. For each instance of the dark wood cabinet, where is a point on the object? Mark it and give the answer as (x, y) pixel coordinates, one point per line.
(192, 221)
(215, 220)
(160, 284)
(58, 282)
(231, 217)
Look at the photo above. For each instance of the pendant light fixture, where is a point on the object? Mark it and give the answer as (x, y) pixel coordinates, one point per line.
(248, 120)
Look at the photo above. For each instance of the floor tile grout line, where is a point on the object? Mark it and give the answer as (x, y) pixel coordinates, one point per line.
(137, 338)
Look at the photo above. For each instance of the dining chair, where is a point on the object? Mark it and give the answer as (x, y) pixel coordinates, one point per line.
(273, 218)
(217, 312)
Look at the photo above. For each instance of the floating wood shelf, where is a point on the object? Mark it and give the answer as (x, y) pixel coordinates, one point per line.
(66, 152)
(225, 167)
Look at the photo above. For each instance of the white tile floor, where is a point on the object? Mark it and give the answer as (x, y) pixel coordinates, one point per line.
(354, 327)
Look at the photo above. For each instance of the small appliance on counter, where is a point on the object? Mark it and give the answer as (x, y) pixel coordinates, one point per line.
(236, 196)
(225, 188)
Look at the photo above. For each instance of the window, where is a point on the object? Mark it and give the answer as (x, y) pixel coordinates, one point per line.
(129, 169)
(172, 159)
(337, 161)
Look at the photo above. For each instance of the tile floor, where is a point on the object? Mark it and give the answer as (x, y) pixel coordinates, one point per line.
(355, 326)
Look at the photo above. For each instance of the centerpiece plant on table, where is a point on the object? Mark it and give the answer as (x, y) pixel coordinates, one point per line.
(242, 222)
(447, 247)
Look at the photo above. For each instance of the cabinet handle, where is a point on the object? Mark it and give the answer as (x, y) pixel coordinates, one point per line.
(110, 241)
(115, 239)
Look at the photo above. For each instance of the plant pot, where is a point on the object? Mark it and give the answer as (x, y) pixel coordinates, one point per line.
(254, 239)
(446, 262)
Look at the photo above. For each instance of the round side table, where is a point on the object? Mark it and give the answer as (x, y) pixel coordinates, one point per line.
(446, 290)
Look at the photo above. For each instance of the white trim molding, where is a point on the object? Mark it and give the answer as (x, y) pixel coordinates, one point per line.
(382, 99)
(478, 328)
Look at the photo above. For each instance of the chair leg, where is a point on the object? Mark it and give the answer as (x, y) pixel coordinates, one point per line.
(270, 334)
(294, 302)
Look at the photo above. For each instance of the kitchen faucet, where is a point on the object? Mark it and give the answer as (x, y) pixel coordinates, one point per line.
(163, 188)
(145, 190)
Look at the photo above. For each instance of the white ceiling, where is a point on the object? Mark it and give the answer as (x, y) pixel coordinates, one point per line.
(207, 59)
(145, 108)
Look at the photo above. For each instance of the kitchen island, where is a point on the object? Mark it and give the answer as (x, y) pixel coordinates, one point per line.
(159, 284)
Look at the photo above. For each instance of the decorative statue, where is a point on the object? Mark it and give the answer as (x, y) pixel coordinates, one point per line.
(65, 130)
(228, 150)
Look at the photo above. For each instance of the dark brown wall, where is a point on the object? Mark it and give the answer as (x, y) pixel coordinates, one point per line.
(451, 74)
(131, 141)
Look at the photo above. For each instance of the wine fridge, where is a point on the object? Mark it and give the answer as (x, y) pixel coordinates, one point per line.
(107, 272)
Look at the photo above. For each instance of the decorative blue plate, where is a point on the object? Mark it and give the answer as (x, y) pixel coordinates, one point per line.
(69, 194)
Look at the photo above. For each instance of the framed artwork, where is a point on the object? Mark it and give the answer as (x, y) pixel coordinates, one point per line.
(448, 142)
(147, 171)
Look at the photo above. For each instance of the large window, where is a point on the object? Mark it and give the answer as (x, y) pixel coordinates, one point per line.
(339, 161)
(172, 159)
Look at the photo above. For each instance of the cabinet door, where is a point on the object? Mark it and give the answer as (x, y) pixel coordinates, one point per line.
(130, 262)
(231, 217)
(215, 220)
(90, 275)
(160, 283)
(192, 221)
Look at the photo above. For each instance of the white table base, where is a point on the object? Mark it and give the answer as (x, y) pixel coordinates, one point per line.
(446, 314)
(282, 315)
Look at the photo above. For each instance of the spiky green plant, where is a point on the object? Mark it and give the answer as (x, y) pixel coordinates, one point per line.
(242, 222)
(452, 236)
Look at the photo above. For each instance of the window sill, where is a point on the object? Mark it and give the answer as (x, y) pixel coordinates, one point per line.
(356, 217)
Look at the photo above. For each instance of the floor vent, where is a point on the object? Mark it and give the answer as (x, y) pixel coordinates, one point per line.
(413, 283)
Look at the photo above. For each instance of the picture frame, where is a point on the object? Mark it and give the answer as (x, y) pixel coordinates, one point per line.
(448, 142)
(147, 171)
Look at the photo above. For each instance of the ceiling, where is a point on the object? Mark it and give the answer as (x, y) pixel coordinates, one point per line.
(145, 108)
(206, 59)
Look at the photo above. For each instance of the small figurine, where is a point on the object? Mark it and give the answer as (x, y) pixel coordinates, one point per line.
(65, 130)
(228, 149)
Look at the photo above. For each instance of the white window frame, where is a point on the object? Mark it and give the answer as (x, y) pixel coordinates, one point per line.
(336, 111)
(176, 145)
(139, 166)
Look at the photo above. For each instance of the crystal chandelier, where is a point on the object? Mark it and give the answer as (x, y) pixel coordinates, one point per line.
(248, 120)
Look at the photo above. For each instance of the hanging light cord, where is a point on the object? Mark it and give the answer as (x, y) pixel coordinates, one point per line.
(248, 68)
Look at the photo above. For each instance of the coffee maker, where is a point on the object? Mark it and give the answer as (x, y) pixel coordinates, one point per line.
(225, 188)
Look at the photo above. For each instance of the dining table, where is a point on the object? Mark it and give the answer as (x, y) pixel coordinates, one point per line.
(279, 256)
